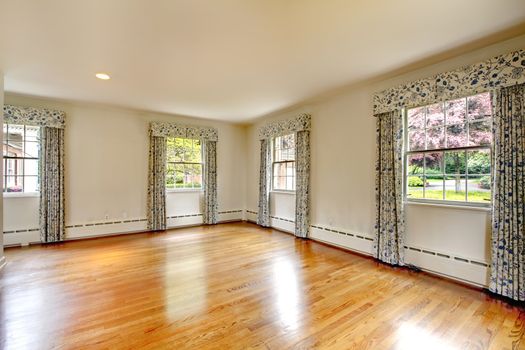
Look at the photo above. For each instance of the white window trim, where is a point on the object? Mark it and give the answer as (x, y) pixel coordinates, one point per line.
(434, 202)
(184, 190)
(21, 194)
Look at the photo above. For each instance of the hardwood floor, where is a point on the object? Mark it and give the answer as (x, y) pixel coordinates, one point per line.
(236, 286)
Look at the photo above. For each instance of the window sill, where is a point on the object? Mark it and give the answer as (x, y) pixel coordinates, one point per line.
(449, 205)
(292, 193)
(21, 194)
(185, 190)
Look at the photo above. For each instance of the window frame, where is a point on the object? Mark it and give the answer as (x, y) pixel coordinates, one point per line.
(201, 163)
(22, 159)
(274, 162)
(406, 153)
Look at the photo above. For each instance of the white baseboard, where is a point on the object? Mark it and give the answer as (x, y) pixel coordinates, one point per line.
(446, 265)
(357, 242)
(112, 228)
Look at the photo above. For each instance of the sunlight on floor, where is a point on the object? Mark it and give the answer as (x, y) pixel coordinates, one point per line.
(411, 337)
(287, 290)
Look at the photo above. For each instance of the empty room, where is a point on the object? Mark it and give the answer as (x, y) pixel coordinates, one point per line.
(262, 174)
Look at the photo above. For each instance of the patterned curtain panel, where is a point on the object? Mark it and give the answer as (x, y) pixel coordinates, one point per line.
(302, 187)
(263, 217)
(157, 184)
(389, 228)
(52, 224)
(211, 208)
(508, 206)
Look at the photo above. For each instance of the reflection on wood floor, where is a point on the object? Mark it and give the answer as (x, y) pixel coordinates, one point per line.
(235, 286)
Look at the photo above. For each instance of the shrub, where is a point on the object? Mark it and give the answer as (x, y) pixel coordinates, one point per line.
(414, 181)
(484, 182)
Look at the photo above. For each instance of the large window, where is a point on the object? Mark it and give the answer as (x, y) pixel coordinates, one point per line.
(20, 150)
(448, 156)
(184, 163)
(284, 163)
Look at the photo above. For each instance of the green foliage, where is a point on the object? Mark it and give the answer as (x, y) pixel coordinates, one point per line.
(414, 181)
(451, 195)
(484, 182)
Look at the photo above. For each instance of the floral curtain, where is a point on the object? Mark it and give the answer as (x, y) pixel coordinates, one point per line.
(302, 183)
(210, 215)
(52, 223)
(389, 227)
(265, 176)
(157, 184)
(497, 72)
(508, 205)
(51, 165)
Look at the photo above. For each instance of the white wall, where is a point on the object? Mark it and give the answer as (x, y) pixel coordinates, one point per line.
(445, 240)
(106, 160)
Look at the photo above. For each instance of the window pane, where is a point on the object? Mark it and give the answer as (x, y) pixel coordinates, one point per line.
(416, 118)
(290, 169)
(479, 106)
(434, 187)
(32, 133)
(196, 180)
(479, 189)
(279, 182)
(415, 164)
(174, 149)
(415, 186)
(456, 135)
(433, 164)
(456, 111)
(480, 133)
(187, 150)
(279, 169)
(31, 184)
(13, 167)
(179, 175)
(289, 141)
(13, 184)
(455, 187)
(30, 167)
(170, 182)
(435, 115)
(170, 169)
(197, 151)
(416, 140)
(455, 163)
(31, 149)
(435, 138)
(478, 162)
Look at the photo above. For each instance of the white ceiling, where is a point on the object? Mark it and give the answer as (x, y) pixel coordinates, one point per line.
(227, 59)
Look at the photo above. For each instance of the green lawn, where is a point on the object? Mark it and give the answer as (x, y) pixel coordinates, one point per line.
(451, 195)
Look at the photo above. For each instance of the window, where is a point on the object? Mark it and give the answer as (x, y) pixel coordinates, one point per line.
(448, 156)
(184, 163)
(284, 163)
(20, 150)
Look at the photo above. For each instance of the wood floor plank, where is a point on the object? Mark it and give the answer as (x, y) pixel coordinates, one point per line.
(236, 286)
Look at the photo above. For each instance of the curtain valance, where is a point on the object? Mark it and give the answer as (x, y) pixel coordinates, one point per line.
(34, 116)
(166, 129)
(499, 71)
(282, 127)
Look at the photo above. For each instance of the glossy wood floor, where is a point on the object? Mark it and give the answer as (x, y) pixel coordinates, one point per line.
(236, 286)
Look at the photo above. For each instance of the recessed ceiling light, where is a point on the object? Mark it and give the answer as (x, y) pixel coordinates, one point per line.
(103, 76)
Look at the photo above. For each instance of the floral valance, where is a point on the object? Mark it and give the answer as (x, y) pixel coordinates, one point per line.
(500, 71)
(34, 116)
(287, 126)
(166, 129)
